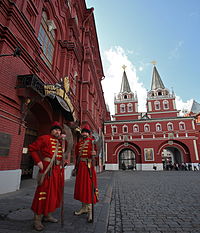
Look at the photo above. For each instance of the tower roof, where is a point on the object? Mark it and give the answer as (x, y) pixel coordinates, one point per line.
(125, 87)
(195, 107)
(156, 80)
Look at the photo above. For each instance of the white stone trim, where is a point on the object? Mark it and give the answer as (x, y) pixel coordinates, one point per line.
(115, 109)
(149, 166)
(193, 125)
(106, 151)
(139, 166)
(149, 106)
(174, 104)
(136, 107)
(10, 180)
(195, 149)
(111, 166)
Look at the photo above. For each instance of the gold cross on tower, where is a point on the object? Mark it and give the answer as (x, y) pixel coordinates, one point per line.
(124, 67)
(153, 62)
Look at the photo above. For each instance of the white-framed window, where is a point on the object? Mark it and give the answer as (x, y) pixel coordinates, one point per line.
(146, 128)
(135, 128)
(122, 108)
(157, 105)
(130, 107)
(170, 126)
(181, 125)
(47, 38)
(166, 104)
(114, 129)
(125, 129)
(158, 127)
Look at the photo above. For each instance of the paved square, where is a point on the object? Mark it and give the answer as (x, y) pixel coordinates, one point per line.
(165, 201)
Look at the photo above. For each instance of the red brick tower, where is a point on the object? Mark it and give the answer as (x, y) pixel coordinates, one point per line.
(160, 103)
(126, 103)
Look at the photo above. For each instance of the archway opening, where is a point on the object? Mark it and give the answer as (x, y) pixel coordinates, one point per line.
(127, 159)
(37, 122)
(172, 158)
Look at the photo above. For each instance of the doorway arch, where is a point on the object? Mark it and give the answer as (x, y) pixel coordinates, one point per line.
(127, 159)
(38, 122)
(172, 157)
(174, 154)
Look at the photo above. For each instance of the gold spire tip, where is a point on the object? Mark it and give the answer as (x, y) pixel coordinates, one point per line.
(153, 63)
(124, 67)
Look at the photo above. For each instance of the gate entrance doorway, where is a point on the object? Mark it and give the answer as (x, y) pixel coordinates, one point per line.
(127, 159)
(37, 123)
(172, 158)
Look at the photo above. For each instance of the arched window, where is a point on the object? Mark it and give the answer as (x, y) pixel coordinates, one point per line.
(122, 108)
(182, 126)
(130, 107)
(135, 128)
(157, 105)
(125, 129)
(146, 128)
(170, 126)
(46, 38)
(166, 104)
(114, 129)
(158, 127)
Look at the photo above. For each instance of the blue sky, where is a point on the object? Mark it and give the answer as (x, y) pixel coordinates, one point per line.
(135, 32)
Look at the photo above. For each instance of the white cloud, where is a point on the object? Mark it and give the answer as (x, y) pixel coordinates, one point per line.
(116, 58)
(183, 106)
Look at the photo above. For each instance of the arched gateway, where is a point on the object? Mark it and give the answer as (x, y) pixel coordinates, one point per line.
(127, 159)
(128, 155)
(38, 121)
(174, 153)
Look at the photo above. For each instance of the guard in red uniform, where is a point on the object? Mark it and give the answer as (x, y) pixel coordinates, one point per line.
(86, 183)
(48, 155)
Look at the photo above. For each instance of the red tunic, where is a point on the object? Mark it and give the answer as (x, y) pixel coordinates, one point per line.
(48, 196)
(83, 185)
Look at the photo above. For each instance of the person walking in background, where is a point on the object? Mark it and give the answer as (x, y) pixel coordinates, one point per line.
(85, 190)
(47, 153)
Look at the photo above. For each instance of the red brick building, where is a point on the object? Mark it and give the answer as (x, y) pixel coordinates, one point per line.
(157, 138)
(56, 77)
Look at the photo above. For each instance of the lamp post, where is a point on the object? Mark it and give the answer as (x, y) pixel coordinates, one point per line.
(17, 53)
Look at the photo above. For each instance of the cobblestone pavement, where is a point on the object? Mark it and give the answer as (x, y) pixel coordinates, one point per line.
(16, 216)
(155, 202)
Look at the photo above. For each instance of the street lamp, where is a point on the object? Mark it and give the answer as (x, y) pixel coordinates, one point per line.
(17, 53)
